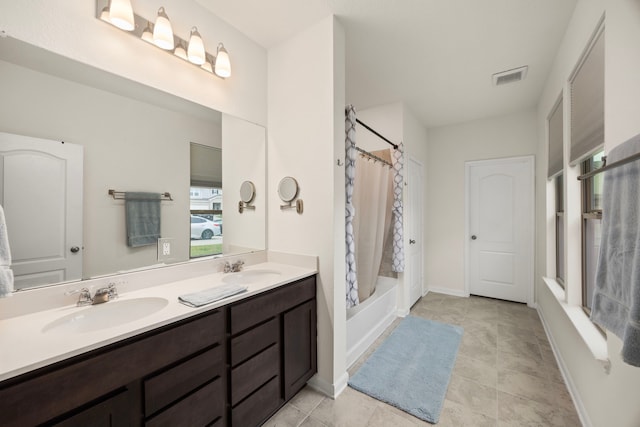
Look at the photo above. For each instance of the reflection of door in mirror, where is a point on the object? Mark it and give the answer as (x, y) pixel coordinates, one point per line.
(205, 197)
(41, 193)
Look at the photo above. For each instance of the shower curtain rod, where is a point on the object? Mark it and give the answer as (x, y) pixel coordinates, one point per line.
(395, 146)
(373, 156)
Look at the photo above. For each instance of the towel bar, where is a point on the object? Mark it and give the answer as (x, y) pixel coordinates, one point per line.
(119, 195)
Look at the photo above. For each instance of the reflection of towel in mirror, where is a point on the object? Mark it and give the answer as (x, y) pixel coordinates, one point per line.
(6, 275)
(616, 297)
(142, 212)
(5, 252)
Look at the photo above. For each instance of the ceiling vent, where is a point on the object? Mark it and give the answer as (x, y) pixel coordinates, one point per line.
(510, 76)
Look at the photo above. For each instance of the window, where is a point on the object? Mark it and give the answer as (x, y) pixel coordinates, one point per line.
(559, 184)
(591, 223)
(205, 201)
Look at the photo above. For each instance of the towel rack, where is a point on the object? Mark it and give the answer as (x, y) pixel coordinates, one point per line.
(119, 195)
(613, 165)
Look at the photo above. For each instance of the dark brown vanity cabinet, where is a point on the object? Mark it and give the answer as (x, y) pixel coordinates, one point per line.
(232, 366)
(147, 379)
(272, 350)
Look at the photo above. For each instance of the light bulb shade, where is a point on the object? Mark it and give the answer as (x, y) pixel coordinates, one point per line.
(147, 34)
(121, 14)
(180, 52)
(162, 31)
(195, 50)
(223, 64)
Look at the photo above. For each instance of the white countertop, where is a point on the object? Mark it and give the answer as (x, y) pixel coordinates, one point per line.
(25, 347)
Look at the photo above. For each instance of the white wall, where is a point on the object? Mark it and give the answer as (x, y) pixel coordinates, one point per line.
(305, 139)
(449, 148)
(603, 399)
(71, 29)
(244, 158)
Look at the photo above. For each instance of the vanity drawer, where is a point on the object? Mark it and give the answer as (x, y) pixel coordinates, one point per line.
(253, 373)
(261, 307)
(202, 408)
(170, 385)
(258, 406)
(67, 385)
(254, 341)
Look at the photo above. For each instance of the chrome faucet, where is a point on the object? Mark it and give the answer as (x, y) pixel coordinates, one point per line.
(233, 268)
(102, 295)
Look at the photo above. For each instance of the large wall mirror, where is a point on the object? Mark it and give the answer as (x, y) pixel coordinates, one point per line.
(131, 138)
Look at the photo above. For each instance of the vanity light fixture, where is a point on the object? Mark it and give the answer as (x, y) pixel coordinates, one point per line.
(195, 51)
(160, 34)
(223, 64)
(121, 14)
(180, 52)
(162, 31)
(208, 64)
(147, 34)
(104, 14)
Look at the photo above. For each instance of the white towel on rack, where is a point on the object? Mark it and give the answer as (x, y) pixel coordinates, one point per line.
(6, 282)
(5, 252)
(6, 274)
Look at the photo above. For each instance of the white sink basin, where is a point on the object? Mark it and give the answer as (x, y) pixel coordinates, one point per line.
(101, 316)
(251, 276)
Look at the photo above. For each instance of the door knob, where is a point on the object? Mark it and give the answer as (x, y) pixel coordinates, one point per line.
(74, 249)
(474, 237)
(411, 241)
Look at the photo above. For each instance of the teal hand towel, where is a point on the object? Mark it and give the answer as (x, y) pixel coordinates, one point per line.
(142, 211)
(197, 299)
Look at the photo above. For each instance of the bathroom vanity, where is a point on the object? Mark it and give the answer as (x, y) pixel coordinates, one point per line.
(230, 365)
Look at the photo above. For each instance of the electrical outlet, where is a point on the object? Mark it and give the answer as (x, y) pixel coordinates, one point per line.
(165, 249)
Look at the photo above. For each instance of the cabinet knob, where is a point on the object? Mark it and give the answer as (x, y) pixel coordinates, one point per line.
(474, 237)
(411, 241)
(74, 249)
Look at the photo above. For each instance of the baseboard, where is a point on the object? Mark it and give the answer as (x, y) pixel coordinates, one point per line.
(329, 390)
(447, 291)
(573, 391)
(403, 312)
(363, 344)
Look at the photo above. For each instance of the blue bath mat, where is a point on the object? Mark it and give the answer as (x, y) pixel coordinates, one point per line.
(411, 368)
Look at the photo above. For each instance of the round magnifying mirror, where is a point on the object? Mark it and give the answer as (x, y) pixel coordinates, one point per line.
(288, 189)
(247, 192)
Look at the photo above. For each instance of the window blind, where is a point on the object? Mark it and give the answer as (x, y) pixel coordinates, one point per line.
(587, 103)
(556, 140)
(206, 166)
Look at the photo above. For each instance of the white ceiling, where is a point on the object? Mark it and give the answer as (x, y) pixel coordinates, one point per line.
(436, 56)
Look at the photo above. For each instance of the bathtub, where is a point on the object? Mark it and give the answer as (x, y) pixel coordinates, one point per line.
(367, 321)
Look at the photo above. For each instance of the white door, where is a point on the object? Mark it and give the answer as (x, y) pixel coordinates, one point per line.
(500, 213)
(415, 218)
(41, 193)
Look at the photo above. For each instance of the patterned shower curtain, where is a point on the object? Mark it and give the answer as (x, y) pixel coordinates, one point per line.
(350, 174)
(398, 233)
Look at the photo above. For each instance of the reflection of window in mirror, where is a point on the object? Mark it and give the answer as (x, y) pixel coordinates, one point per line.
(205, 197)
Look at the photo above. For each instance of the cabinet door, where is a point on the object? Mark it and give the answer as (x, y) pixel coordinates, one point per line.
(110, 412)
(299, 347)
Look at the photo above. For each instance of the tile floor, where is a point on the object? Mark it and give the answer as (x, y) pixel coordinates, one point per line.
(505, 375)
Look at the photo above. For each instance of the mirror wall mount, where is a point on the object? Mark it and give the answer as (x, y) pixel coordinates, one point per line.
(219, 64)
(247, 195)
(288, 190)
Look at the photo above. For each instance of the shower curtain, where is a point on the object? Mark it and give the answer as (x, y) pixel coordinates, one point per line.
(372, 197)
(350, 174)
